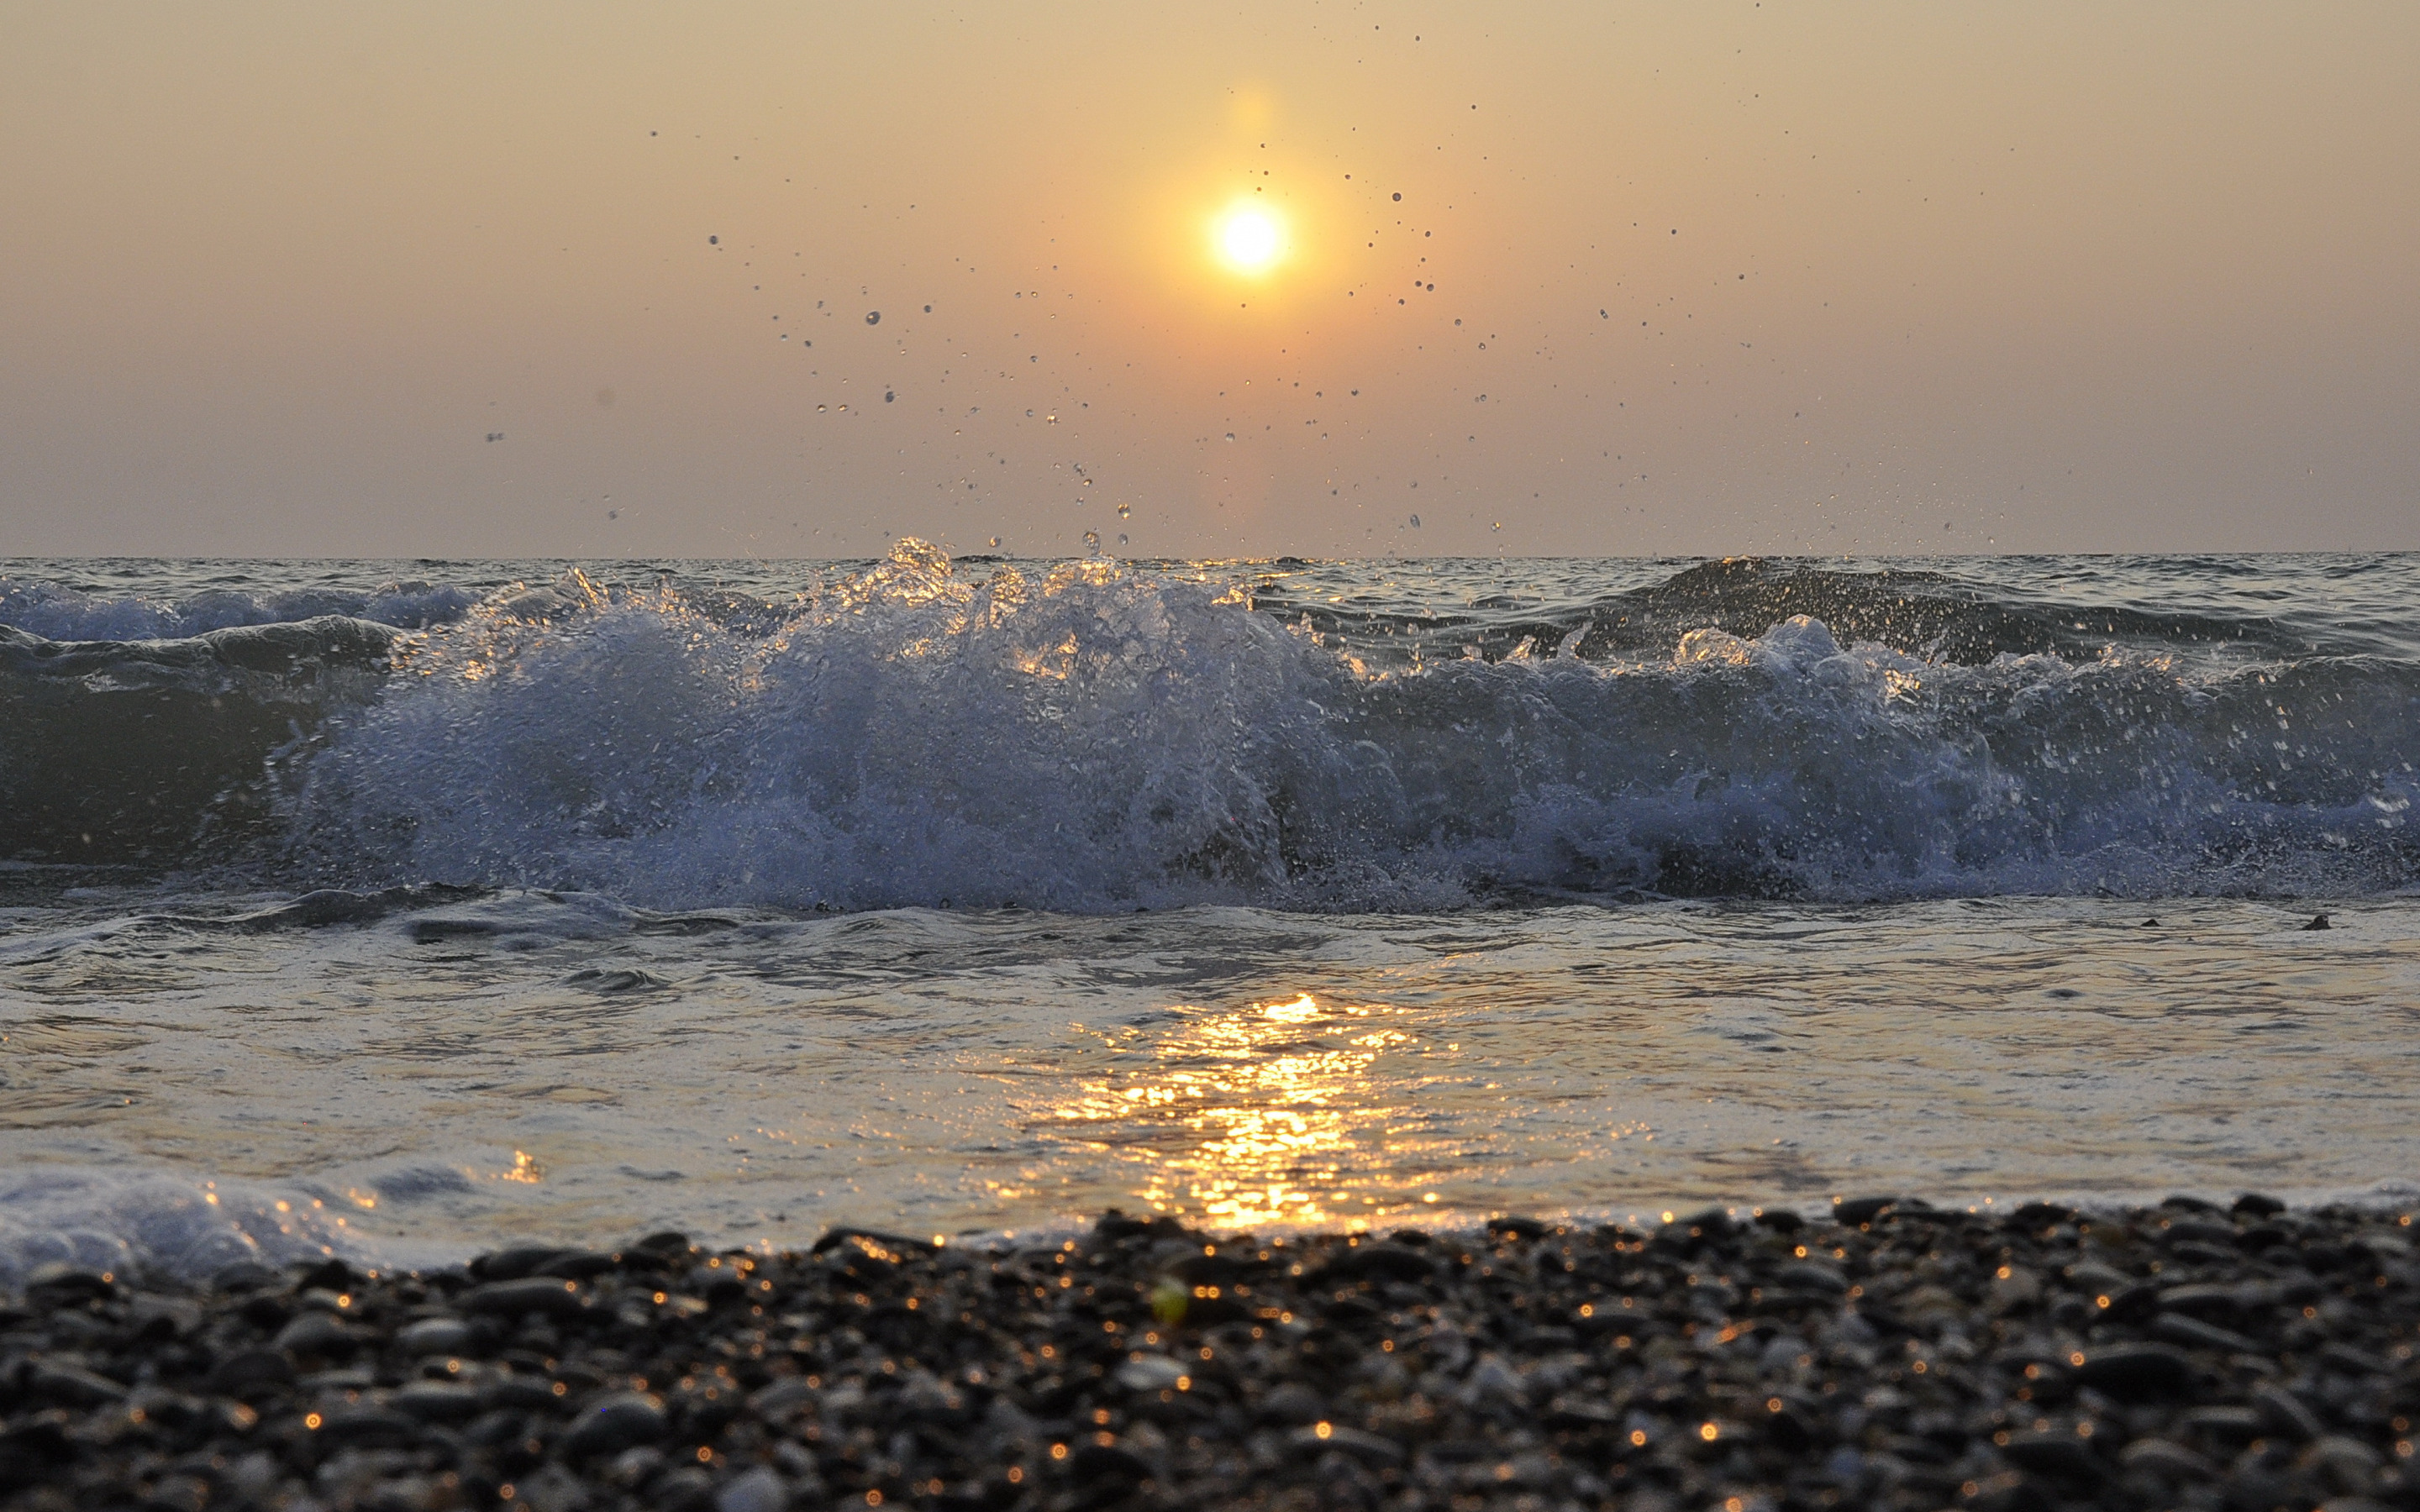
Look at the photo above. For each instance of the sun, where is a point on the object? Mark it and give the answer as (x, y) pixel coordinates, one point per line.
(1248, 238)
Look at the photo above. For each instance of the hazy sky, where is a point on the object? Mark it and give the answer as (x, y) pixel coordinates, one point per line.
(1593, 278)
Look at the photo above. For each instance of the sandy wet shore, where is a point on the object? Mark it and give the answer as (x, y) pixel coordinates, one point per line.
(1890, 1356)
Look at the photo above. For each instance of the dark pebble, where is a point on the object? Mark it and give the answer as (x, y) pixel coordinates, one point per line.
(1094, 1461)
(316, 1333)
(520, 1394)
(2230, 1425)
(683, 1488)
(1385, 1261)
(327, 1275)
(2134, 1373)
(531, 1295)
(243, 1276)
(1910, 1361)
(437, 1401)
(2055, 1456)
(761, 1489)
(1811, 1275)
(435, 1335)
(2039, 1215)
(620, 1422)
(2283, 1414)
(2193, 1333)
(899, 1242)
(52, 1383)
(246, 1372)
(1858, 1211)
(1369, 1448)
(579, 1265)
(59, 1285)
(515, 1262)
(2168, 1461)
(368, 1428)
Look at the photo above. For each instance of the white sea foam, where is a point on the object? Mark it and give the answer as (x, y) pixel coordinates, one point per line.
(162, 1222)
(1103, 737)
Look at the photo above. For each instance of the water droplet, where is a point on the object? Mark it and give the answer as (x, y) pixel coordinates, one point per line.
(1231, 435)
(873, 317)
(1416, 522)
(1399, 197)
(928, 309)
(820, 409)
(888, 397)
(1125, 512)
(713, 242)
(1051, 419)
(995, 541)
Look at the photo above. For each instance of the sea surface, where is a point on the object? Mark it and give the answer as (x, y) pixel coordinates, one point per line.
(401, 909)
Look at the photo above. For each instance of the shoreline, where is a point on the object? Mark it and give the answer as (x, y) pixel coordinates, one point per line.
(1886, 1355)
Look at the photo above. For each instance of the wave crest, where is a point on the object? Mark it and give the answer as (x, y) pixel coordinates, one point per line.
(1098, 736)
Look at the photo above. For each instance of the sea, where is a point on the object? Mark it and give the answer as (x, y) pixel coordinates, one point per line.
(399, 910)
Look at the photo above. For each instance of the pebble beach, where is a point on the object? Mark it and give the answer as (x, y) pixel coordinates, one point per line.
(1882, 1354)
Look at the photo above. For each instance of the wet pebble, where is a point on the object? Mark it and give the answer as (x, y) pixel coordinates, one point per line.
(619, 1423)
(544, 1295)
(1884, 1355)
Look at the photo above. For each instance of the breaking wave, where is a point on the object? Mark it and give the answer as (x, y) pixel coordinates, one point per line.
(1099, 737)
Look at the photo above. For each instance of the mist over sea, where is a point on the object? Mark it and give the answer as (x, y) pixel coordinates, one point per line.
(401, 908)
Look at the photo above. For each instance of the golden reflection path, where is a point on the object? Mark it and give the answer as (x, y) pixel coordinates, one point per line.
(1274, 1113)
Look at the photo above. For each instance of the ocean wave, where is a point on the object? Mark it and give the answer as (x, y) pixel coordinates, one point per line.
(1097, 735)
(125, 752)
(55, 611)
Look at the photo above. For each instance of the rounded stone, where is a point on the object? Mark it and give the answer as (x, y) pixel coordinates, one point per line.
(623, 1420)
(437, 1401)
(761, 1489)
(247, 1371)
(434, 1335)
(545, 1295)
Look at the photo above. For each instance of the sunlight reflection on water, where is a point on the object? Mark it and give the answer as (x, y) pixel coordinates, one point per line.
(956, 1072)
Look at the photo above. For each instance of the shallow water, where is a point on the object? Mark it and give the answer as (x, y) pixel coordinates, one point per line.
(521, 1064)
(1378, 892)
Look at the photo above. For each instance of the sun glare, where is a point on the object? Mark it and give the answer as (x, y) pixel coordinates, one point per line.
(1248, 238)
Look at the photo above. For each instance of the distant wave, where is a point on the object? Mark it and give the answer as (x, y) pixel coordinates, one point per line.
(1101, 736)
(55, 612)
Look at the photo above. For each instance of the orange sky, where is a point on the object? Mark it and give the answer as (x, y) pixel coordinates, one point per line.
(1707, 278)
